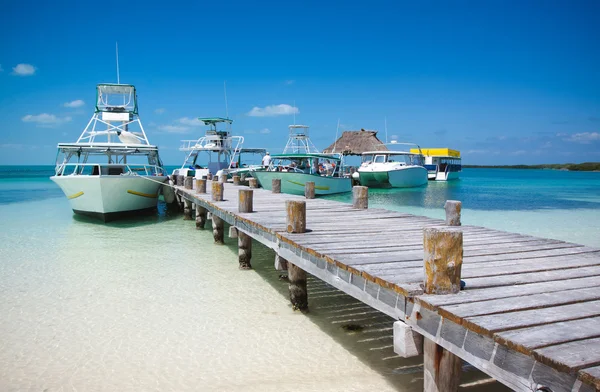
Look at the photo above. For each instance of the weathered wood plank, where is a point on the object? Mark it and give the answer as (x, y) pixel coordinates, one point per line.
(527, 339)
(528, 318)
(571, 356)
(591, 376)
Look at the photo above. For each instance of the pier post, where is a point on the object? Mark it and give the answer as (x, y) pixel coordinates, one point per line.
(252, 183)
(236, 180)
(188, 182)
(360, 197)
(201, 186)
(281, 264)
(217, 191)
(223, 178)
(244, 250)
(276, 185)
(218, 230)
(245, 203)
(179, 180)
(443, 255)
(209, 176)
(309, 190)
(187, 210)
(296, 223)
(201, 213)
(453, 208)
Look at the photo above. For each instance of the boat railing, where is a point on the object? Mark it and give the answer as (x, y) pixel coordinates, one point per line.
(111, 169)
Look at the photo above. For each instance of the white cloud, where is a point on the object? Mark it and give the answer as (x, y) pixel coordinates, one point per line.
(24, 70)
(74, 104)
(174, 128)
(265, 131)
(273, 110)
(583, 137)
(519, 152)
(192, 122)
(289, 82)
(159, 110)
(46, 120)
(477, 152)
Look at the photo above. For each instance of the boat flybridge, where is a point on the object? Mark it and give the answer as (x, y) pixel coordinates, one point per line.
(392, 168)
(112, 169)
(217, 152)
(302, 162)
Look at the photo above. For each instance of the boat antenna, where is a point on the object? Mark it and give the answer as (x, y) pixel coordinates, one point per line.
(385, 122)
(117, 48)
(226, 106)
(336, 135)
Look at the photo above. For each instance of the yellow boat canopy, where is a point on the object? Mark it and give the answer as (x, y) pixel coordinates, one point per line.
(437, 152)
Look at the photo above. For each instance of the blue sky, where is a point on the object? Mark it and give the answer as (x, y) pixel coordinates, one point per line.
(505, 82)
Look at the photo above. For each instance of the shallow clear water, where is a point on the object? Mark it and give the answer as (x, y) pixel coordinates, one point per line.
(153, 304)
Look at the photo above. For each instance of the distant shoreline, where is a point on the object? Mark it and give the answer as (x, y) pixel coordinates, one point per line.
(586, 166)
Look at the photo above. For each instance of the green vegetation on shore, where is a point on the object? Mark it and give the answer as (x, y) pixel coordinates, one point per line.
(586, 166)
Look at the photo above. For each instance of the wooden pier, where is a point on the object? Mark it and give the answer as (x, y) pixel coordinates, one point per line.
(529, 315)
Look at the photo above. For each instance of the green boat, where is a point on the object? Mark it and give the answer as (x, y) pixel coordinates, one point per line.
(296, 169)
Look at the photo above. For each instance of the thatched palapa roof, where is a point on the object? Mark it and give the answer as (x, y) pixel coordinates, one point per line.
(356, 142)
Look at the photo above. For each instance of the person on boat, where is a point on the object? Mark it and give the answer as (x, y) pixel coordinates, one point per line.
(266, 160)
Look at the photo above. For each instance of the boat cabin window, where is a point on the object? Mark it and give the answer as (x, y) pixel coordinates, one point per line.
(379, 159)
(112, 170)
(367, 158)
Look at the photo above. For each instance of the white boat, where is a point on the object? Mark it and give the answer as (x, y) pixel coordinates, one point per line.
(442, 164)
(112, 169)
(217, 152)
(392, 168)
(300, 163)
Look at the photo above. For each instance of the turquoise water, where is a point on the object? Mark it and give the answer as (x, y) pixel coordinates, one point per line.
(152, 304)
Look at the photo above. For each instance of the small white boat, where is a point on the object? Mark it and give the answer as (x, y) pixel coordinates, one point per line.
(112, 169)
(217, 152)
(442, 164)
(392, 169)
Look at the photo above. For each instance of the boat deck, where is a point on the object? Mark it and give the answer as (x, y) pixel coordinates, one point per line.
(529, 315)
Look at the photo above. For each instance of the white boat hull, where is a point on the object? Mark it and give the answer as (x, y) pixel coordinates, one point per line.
(108, 197)
(446, 176)
(404, 177)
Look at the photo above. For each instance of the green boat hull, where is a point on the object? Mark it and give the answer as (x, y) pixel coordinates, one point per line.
(293, 183)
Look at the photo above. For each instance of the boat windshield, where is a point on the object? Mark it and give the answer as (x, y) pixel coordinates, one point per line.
(367, 158)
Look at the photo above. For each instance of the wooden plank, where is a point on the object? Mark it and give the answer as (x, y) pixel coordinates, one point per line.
(527, 339)
(545, 276)
(571, 356)
(534, 254)
(591, 376)
(471, 295)
(534, 301)
(529, 318)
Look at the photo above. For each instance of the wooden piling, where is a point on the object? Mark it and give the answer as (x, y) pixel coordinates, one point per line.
(281, 264)
(296, 223)
(201, 213)
(276, 185)
(236, 180)
(233, 232)
(188, 182)
(187, 210)
(453, 208)
(443, 254)
(252, 183)
(360, 197)
(295, 216)
(309, 190)
(209, 176)
(218, 230)
(217, 191)
(201, 186)
(223, 178)
(244, 250)
(245, 200)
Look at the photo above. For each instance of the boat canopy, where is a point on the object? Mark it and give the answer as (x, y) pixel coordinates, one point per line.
(300, 156)
(116, 98)
(215, 120)
(439, 152)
